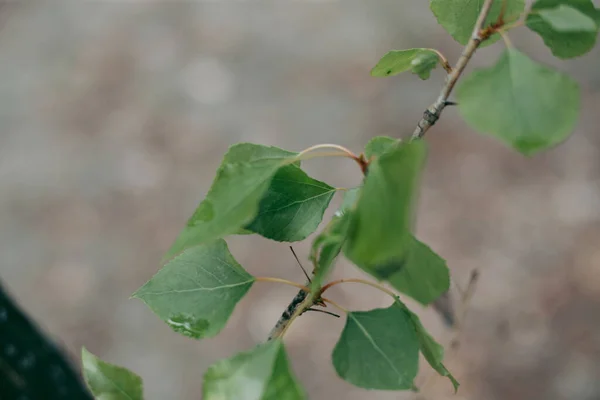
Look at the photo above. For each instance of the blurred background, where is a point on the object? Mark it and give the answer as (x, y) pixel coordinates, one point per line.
(114, 116)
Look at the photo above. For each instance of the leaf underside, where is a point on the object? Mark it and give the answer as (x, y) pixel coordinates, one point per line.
(108, 381)
(419, 61)
(262, 373)
(564, 44)
(196, 292)
(526, 105)
(458, 17)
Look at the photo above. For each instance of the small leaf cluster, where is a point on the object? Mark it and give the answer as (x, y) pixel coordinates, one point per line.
(201, 282)
(526, 105)
(264, 190)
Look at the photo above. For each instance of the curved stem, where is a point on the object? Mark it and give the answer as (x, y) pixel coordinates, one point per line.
(443, 60)
(284, 281)
(510, 26)
(336, 305)
(506, 39)
(307, 156)
(328, 146)
(364, 282)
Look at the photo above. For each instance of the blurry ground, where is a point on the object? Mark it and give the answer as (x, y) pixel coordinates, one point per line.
(113, 119)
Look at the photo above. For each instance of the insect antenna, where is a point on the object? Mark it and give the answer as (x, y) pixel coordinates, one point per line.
(299, 263)
(324, 312)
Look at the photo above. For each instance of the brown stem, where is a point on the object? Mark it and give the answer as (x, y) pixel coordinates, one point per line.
(303, 301)
(355, 280)
(432, 114)
(443, 61)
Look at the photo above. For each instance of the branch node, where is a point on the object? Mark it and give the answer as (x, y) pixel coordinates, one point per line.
(480, 34)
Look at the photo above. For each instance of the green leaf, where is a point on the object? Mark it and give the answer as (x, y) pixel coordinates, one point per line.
(378, 349)
(458, 17)
(380, 227)
(233, 199)
(328, 244)
(568, 19)
(526, 105)
(262, 373)
(423, 275)
(432, 351)
(349, 200)
(110, 382)
(379, 145)
(419, 61)
(424, 64)
(293, 206)
(196, 292)
(549, 18)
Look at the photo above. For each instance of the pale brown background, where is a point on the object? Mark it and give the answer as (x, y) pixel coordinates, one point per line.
(114, 116)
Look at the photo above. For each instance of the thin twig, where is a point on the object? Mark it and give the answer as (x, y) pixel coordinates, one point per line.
(443, 60)
(465, 299)
(284, 281)
(506, 39)
(364, 282)
(432, 114)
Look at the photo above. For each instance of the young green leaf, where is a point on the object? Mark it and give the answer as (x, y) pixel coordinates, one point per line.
(524, 104)
(328, 244)
(555, 21)
(380, 227)
(379, 145)
(378, 349)
(423, 275)
(349, 200)
(568, 19)
(458, 17)
(432, 351)
(110, 382)
(233, 199)
(292, 207)
(262, 373)
(419, 61)
(196, 292)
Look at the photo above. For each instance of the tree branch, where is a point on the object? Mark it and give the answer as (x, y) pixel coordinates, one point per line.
(303, 301)
(432, 114)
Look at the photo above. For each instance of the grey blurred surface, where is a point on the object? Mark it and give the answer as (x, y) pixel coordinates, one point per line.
(114, 116)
